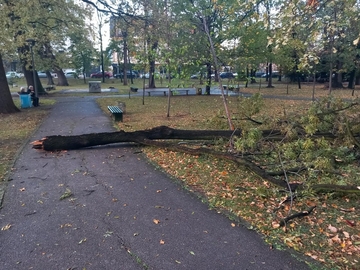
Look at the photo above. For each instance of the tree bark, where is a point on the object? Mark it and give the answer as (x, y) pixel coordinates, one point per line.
(151, 59)
(6, 101)
(58, 142)
(62, 80)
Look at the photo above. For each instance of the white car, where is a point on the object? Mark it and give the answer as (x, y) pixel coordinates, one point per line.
(13, 74)
(71, 74)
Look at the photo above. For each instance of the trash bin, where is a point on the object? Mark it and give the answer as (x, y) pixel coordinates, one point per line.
(25, 101)
(95, 87)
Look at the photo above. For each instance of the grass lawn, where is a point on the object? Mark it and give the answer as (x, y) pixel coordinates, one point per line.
(15, 129)
(330, 234)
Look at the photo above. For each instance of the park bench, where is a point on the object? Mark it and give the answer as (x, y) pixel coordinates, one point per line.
(50, 87)
(116, 112)
(133, 89)
(179, 90)
(172, 91)
(235, 88)
(157, 91)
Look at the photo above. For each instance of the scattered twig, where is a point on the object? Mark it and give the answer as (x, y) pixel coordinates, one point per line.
(297, 215)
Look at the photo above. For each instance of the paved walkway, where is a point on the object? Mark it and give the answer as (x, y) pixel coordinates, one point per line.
(122, 213)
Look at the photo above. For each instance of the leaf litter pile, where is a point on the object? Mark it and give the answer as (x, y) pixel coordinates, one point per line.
(325, 223)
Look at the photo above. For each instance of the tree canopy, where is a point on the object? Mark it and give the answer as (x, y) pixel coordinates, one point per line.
(297, 37)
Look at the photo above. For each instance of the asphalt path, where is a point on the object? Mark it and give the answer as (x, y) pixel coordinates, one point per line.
(108, 208)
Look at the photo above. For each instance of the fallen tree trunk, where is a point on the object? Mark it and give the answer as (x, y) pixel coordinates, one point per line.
(149, 137)
(58, 142)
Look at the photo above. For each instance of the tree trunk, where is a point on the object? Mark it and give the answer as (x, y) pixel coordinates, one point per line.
(50, 78)
(357, 80)
(29, 76)
(62, 80)
(150, 138)
(253, 76)
(208, 80)
(337, 81)
(125, 53)
(6, 101)
(57, 142)
(152, 65)
(131, 70)
(270, 77)
(351, 84)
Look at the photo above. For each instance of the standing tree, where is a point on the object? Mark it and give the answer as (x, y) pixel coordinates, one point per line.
(6, 102)
(82, 52)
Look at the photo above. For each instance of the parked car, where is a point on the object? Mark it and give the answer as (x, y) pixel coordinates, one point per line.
(259, 74)
(129, 75)
(274, 74)
(226, 75)
(13, 74)
(99, 74)
(71, 74)
(147, 75)
(197, 76)
(42, 74)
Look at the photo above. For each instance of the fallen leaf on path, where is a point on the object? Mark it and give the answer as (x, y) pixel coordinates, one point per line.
(351, 223)
(6, 227)
(332, 229)
(66, 194)
(275, 224)
(82, 241)
(336, 239)
(108, 233)
(156, 221)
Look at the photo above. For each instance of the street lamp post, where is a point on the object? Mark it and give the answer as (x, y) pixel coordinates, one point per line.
(32, 43)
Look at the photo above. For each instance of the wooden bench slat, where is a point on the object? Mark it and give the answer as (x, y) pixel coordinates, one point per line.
(114, 109)
(117, 112)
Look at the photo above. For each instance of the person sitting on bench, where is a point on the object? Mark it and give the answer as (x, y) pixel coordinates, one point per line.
(35, 100)
(23, 91)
